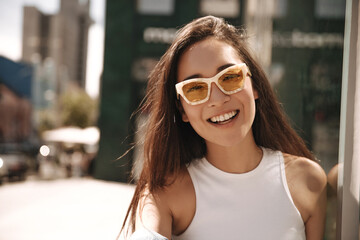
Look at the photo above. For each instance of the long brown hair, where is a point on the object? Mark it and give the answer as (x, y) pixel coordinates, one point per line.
(171, 143)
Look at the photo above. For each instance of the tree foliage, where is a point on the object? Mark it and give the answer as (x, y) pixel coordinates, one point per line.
(78, 109)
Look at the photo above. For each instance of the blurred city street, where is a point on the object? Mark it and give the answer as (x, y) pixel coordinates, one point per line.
(73, 208)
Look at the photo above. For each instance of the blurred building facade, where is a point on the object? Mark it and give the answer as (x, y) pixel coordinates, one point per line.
(62, 37)
(56, 45)
(15, 104)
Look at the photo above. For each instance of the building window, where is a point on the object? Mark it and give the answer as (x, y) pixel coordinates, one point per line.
(330, 8)
(280, 8)
(155, 7)
(220, 8)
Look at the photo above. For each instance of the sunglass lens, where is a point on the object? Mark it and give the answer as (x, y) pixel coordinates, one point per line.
(232, 80)
(195, 91)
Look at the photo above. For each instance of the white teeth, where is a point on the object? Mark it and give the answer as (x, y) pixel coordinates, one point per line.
(224, 117)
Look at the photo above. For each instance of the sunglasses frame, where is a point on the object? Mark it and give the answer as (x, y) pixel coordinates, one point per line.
(215, 79)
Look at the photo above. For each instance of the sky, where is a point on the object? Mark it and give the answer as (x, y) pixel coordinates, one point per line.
(11, 20)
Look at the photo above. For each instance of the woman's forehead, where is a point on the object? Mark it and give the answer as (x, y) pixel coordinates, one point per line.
(205, 57)
(208, 46)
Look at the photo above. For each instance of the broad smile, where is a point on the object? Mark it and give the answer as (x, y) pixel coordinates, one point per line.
(223, 118)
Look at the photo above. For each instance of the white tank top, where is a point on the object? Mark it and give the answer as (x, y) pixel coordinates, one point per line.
(256, 205)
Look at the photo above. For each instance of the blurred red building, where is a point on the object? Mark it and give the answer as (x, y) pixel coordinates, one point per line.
(15, 116)
(15, 101)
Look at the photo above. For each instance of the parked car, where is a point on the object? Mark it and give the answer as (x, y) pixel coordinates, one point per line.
(3, 170)
(13, 166)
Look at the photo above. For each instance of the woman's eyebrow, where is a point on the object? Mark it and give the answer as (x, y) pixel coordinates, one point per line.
(225, 66)
(192, 76)
(219, 69)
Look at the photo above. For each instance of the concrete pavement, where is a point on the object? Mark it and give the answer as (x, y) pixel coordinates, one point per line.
(75, 208)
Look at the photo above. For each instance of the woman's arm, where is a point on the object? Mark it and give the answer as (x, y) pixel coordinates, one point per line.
(315, 225)
(154, 215)
(170, 210)
(307, 184)
(145, 234)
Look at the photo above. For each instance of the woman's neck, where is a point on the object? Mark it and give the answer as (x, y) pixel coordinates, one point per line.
(239, 158)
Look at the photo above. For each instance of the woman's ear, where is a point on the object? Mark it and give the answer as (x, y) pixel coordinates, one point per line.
(182, 112)
(184, 117)
(255, 93)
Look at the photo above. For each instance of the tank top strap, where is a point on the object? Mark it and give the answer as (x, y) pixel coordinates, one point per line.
(285, 184)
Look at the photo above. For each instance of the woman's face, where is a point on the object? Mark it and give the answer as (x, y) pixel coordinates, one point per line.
(205, 59)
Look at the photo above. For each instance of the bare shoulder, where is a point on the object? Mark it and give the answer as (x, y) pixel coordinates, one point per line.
(307, 184)
(181, 199)
(305, 170)
(161, 210)
(153, 213)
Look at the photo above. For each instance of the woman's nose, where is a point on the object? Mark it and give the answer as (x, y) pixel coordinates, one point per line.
(217, 97)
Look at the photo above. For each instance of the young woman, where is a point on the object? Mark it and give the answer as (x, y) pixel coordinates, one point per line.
(220, 159)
